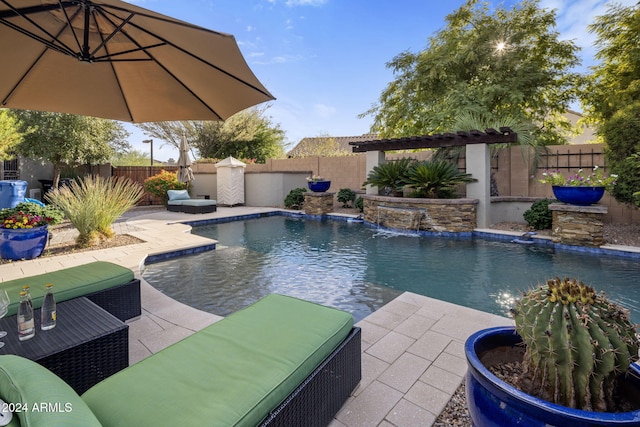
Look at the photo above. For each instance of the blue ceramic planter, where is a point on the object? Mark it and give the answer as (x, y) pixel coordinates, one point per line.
(581, 196)
(319, 186)
(492, 402)
(23, 243)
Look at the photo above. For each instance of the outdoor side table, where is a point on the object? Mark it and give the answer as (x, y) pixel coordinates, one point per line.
(87, 345)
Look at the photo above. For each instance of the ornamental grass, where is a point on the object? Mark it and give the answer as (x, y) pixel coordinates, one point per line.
(92, 204)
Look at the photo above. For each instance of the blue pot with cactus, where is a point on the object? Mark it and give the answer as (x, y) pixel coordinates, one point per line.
(577, 353)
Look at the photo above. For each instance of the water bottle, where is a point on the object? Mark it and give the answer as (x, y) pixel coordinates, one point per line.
(26, 329)
(27, 289)
(48, 311)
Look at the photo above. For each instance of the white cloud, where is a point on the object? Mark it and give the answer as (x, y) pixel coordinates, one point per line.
(281, 59)
(574, 17)
(250, 28)
(323, 110)
(292, 3)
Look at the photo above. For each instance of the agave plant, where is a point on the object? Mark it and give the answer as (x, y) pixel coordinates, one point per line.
(92, 204)
(391, 175)
(436, 179)
(578, 344)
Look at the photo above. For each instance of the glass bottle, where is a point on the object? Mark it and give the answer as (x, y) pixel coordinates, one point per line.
(26, 329)
(27, 289)
(48, 310)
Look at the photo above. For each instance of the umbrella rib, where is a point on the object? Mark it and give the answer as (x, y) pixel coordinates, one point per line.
(173, 76)
(62, 48)
(186, 52)
(115, 74)
(116, 30)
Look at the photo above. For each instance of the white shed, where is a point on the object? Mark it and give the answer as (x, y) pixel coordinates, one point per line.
(230, 182)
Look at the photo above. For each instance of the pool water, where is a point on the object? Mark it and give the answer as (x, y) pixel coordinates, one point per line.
(359, 268)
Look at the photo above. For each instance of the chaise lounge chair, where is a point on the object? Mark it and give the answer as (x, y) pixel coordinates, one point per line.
(180, 201)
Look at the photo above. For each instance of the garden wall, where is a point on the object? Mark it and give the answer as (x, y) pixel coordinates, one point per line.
(511, 169)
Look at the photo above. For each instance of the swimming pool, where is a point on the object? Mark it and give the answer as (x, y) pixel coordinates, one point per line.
(358, 268)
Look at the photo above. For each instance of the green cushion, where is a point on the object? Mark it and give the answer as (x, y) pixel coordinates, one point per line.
(47, 400)
(231, 373)
(68, 283)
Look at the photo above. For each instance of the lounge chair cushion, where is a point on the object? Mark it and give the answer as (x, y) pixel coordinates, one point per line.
(231, 373)
(72, 282)
(178, 195)
(198, 202)
(23, 381)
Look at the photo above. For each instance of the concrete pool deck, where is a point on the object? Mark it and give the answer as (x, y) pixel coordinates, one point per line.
(412, 348)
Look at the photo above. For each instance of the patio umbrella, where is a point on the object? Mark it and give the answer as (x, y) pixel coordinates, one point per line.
(110, 59)
(185, 174)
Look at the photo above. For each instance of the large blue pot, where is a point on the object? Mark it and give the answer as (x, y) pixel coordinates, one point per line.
(319, 186)
(581, 196)
(23, 243)
(492, 402)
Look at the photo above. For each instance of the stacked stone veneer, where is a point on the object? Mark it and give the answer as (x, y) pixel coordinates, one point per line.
(437, 215)
(578, 225)
(318, 203)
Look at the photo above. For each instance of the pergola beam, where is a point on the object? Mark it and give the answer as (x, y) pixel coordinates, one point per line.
(460, 138)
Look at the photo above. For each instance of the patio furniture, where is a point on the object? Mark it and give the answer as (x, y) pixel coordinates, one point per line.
(108, 285)
(180, 201)
(87, 345)
(281, 361)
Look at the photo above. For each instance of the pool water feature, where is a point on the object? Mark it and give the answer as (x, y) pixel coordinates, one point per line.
(358, 268)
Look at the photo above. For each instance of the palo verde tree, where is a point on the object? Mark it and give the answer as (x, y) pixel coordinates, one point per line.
(249, 134)
(68, 139)
(612, 100)
(485, 62)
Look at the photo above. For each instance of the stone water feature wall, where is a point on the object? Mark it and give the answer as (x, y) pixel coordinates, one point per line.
(436, 215)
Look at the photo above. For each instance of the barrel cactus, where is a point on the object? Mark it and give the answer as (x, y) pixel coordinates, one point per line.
(577, 344)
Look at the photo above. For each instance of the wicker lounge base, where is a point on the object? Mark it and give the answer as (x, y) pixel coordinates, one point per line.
(123, 302)
(198, 209)
(319, 398)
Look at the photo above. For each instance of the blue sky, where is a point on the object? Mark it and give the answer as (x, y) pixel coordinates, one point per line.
(324, 60)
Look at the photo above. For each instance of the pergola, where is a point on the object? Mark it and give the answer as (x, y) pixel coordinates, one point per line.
(477, 154)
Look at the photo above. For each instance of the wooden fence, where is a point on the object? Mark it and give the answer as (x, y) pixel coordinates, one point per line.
(139, 174)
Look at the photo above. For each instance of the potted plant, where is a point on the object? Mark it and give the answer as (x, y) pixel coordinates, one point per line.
(576, 351)
(24, 230)
(318, 184)
(579, 189)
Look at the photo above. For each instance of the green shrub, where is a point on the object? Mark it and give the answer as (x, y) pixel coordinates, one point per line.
(53, 214)
(359, 204)
(92, 204)
(622, 136)
(158, 184)
(539, 216)
(346, 196)
(392, 175)
(436, 179)
(295, 198)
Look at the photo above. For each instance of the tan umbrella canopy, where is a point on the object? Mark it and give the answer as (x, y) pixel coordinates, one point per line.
(110, 59)
(185, 174)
